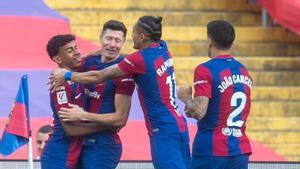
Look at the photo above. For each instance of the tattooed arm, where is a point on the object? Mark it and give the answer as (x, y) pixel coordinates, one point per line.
(195, 108)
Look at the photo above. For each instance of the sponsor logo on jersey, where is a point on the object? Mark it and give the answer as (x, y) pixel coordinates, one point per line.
(235, 132)
(95, 95)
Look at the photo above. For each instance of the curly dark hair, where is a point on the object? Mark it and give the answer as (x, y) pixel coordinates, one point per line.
(58, 41)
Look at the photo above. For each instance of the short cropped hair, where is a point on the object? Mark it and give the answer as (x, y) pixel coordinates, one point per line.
(58, 41)
(45, 129)
(152, 26)
(116, 26)
(221, 33)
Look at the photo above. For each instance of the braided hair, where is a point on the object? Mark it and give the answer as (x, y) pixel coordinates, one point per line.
(152, 26)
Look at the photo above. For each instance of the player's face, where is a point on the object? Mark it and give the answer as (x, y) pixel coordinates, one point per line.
(68, 56)
(41, 139)
(136, 37)
(111, 41)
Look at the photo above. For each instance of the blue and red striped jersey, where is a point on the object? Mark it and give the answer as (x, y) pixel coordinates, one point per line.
(69, 147)
(153, 72)
(227, 83)
(101, 97)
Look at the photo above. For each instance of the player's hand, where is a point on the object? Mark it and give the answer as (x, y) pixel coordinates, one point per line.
(187, 112)
(73, 113)
(184, 93)
(56, 78)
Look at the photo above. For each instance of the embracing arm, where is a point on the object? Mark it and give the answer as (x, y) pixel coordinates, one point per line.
(115, 119)
(58, 76)
(81, 129)
(95, 77)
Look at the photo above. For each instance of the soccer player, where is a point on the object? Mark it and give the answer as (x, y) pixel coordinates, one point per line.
(153, 72)
(42, 136)
(221, 104)
(108, 102)
(63, 147)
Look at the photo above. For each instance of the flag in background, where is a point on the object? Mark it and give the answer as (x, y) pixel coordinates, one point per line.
(17, 130)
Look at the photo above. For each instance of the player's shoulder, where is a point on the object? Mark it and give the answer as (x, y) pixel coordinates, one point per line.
(203, 66)
(134, 58)
(134, 54)
(91, 58)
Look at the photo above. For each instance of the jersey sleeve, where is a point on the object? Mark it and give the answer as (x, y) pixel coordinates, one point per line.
(202, 82)
(125, 85)
(61, 97)
(133, 64)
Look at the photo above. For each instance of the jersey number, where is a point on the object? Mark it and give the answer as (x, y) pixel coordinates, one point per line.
(172, 84)
(238, 110)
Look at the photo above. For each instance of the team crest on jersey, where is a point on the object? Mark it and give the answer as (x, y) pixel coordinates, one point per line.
(62, 97)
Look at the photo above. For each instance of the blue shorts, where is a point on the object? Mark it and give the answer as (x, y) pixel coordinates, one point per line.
(213, 162)
(106, 156)
(170, 151)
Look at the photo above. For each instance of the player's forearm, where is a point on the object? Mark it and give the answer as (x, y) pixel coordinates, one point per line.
(90, 77)
(197, 109)
(96, 77)
(83, 129)
(113, 119)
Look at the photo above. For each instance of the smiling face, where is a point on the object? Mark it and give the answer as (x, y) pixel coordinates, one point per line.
(112, 42)
(68, 56)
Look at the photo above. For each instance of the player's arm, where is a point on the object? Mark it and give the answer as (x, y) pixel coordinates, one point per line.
(81, 129)
(59, 76)
(60, 99)
(113, 119)
(195, 108)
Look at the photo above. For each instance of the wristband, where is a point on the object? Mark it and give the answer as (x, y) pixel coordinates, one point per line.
(68, 75)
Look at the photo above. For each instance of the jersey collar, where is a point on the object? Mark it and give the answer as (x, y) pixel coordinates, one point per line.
(222, 57)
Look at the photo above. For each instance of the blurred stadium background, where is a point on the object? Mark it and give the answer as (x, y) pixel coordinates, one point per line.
(269, 48)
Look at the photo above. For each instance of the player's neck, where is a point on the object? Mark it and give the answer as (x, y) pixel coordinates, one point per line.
(146, 45)
(215, 53)
(108, 59)
(66, 67)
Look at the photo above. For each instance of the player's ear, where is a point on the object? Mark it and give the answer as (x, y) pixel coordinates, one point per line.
(209, 42)
(57, 59)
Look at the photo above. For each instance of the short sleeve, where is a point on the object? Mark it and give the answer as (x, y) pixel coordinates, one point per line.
(61, 97)
(125, 85)
(202, 82)
(133, 64)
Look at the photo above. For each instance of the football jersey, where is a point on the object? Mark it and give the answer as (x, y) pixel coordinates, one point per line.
(153, 72)
(227, 84)
(60, 146)
(101, 97)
